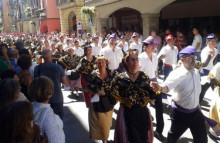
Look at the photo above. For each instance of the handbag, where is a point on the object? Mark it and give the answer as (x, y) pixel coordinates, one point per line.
(38, 136)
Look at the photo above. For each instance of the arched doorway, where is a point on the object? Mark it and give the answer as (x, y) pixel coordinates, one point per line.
(72, 22)
(126, 19)
(184, 15)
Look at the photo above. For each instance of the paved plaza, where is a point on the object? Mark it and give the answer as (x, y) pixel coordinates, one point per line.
(76, 126)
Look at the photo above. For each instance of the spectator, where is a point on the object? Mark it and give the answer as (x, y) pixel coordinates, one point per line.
(50, 124)
(157, 41)
(197, 42)
(16, 121)
(56, 74)
(12, 75)
(13, 56)
(9, 91)
(25, 77)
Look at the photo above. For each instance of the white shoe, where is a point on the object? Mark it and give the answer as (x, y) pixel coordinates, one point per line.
(77, 94)
(67, 88)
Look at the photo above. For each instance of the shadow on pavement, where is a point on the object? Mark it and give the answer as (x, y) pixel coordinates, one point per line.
(74, 131)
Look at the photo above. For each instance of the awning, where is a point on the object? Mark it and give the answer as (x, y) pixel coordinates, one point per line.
(192, 8)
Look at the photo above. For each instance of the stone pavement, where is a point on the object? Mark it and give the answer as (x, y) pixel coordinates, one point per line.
(76, 121)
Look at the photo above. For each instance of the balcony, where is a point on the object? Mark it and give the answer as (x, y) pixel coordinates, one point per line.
(98, 2)
(62, 2)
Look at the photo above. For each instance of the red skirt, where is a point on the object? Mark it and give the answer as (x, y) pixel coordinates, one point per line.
(87, 95)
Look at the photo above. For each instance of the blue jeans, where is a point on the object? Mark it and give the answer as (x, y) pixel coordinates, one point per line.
(167, 71)
(198, 55)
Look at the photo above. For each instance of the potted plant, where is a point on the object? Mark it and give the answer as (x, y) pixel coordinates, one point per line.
(32, 22)
(87, 13)
(41, 10)
(27, 11)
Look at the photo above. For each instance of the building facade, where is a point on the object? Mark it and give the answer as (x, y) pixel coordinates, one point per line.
(71, 17)
(49, 18)
(138, 15)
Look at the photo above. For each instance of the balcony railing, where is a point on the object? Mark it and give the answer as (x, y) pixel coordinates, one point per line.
(61, 2)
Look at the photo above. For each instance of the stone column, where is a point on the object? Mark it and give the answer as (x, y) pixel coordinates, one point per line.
(150, 22)
(63, 22)
(103, 23)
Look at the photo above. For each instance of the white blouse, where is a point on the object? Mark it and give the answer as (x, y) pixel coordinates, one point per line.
(50, 124)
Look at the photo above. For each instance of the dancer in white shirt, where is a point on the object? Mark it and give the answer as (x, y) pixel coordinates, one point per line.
(208, 54)
(112, 53)
(135, 44)
(169, 55)
(96, 47)
(148, 64)
(77, 49)
(186, 87)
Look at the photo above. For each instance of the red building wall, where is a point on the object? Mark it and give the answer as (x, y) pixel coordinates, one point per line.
(52, 21)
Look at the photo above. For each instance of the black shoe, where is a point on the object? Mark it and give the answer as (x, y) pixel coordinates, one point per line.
(212, 136)
(159, 136)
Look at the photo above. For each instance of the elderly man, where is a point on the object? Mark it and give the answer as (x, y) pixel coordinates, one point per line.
(169, 55)
(186, 87)
(56, 74)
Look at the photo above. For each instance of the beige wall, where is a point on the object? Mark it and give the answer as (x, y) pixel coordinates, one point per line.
(149, 9)
(143, 6)
(65, 12)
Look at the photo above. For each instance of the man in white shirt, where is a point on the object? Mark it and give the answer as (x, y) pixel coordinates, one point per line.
(67, 45)
(169, 55)
(208, 54)
(96, 47)
(135, 44)
(197, 42)
(78, 50)
(123, 44)
(186, 87)
(81, 41)
(148, 59)
(148, 64)
(112, 53)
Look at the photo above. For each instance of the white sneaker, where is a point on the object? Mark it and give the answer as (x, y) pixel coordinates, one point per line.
(67, 88)
(77, 94)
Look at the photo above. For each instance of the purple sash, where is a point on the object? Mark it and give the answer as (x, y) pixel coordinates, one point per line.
(181, 109)
(212, 123)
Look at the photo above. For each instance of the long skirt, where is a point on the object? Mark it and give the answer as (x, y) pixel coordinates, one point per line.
(121, 135)
(87, 95)
(215, 105)
(99, 124)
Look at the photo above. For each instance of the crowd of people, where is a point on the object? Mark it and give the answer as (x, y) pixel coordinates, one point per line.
(115, 66)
